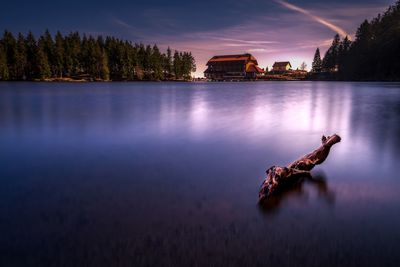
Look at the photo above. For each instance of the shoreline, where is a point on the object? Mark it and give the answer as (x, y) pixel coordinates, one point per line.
(276, 78)
(194, 81)
(70, 80)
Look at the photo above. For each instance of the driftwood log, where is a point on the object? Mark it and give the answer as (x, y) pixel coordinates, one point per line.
(279, 178)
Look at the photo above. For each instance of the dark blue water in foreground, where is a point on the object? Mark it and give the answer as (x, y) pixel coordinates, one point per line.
(167, 174)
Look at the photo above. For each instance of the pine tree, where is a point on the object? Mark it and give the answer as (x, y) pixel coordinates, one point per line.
(42, 64)
(192, 62)
(130, 61)
(317, 62)
(20, 58)
(31, 47)
(168, 63)
(104, 71)
(146, 59)
(331, 58)
(10, 45)
(4, 75)
(59, 55)
(177, 65)
(48, 49)
(187, 65)
(141, 55)
(84, 56)
(72, 54)
(362, 47)
(124, 59)
(156, 63)
(344, 48)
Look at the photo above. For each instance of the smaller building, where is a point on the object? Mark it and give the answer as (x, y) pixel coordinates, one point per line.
(281, 66)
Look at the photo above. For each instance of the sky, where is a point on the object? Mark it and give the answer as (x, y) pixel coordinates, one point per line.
(271, 30)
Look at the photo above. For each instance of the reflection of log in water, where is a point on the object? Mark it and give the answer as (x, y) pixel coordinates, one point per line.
(280, 178)
(317, 181)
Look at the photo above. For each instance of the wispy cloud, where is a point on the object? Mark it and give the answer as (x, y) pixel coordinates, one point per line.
(318, 19)
(252, 42)
(122, 23)
(135, 32)
(257, 50)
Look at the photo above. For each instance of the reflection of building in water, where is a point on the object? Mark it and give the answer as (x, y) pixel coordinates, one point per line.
(233, 67)
(199, 114)
(366, 115)
(301, 109)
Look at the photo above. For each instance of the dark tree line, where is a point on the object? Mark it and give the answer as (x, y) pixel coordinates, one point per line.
(334, 57)
(87, 57)
(373, 55)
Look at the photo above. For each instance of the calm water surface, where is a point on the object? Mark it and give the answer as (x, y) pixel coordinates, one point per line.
(167, 174)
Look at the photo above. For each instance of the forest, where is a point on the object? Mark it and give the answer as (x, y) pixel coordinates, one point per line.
(88, 58)
(373, 55)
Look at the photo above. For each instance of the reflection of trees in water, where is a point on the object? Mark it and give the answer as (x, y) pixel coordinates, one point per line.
(375, 115)
(361, 111)
(318, 183)
(78, 108)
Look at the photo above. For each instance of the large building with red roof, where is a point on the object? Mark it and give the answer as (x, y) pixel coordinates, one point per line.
(233, 67)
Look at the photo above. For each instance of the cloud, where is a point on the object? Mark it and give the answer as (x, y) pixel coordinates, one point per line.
(248, 42)
(257, 50)
(318, 19)
(122, 23)
(133, 31)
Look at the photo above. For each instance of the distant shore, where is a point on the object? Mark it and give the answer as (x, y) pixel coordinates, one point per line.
(73, 80)
(272, 78)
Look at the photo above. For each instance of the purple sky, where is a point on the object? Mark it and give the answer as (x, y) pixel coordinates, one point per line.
(272, 30)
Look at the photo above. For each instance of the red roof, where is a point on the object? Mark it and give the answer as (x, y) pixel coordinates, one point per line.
(241, 57)
(260, 70)
(254, 68)
(281, 64)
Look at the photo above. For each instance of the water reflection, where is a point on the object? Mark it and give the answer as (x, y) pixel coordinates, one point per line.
(291, 108)
(317, 182)
(133, 170)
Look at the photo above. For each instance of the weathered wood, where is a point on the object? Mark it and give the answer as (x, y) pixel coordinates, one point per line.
(279, 178)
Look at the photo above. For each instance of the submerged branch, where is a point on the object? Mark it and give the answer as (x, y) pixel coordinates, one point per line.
(280, 177)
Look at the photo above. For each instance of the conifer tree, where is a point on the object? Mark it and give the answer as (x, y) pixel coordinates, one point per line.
(4, 75)
(59, 55)
(330, 61)
(187, 64)
(20, 58)
(343, 56)
(42, 64)
(73, 52)
(10, 45)
(177, 65)
(141, 55)
(31, 47)
(156, 63)
(48, 49)
(168, 65)
(146, 59)
(104, 71)
(317, 62)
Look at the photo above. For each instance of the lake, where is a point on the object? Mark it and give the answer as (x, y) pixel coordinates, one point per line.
(167, 174)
